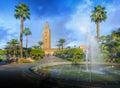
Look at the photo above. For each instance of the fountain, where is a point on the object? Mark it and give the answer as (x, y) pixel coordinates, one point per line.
(93, 52)
(93, 73)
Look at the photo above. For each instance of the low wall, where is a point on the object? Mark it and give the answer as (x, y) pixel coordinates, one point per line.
(39, 66)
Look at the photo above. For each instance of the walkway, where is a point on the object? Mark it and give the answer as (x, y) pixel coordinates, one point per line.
(16, 75)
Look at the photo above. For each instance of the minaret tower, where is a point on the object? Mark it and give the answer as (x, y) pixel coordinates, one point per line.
(46, 37)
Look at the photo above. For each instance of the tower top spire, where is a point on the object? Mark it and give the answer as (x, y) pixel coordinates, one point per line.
(46, 27)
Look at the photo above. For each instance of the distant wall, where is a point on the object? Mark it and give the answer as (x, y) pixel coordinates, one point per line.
(52, 50)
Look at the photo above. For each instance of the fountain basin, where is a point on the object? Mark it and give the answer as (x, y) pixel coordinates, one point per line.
(101, 74)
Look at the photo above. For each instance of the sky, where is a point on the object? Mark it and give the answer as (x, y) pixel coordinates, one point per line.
(68, 19)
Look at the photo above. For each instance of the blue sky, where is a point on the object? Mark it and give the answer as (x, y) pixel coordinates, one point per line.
(69, 19)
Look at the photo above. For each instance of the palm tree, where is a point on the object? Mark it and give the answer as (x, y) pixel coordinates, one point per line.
(40, 44)
(21, 12)
(26, 32)
(98, 15)
(13, 44)
(62, 41)
(59, 45)
(35, 47)
(8, 48)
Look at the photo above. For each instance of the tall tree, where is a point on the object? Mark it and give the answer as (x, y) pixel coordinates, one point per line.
(40, 44)
(26, 32)
(98, 15)
(111, 44)
(35, 47)
(8, 48)
(21, 12)
(62, 41)
(59, 45)
(13, 44)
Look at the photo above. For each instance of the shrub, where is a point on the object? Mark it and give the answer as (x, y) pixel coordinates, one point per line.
(2, 52)
(117, 60)
(37, 54)
(74, 54)
(2, 57)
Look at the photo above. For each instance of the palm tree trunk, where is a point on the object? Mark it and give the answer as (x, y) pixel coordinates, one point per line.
(40, 46)
(26, 45)
(14, 46)
(98, 30)
(14, 53)
(62, 45)
(59, 47)
(21, 36)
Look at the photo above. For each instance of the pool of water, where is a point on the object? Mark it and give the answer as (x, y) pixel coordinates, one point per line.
(85, 73)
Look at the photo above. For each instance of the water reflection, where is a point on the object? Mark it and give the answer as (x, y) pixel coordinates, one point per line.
(83, 72)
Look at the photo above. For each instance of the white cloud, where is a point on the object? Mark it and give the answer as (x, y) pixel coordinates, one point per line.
(75, 43)
(88, 2)
(80, 23)
(11, 28)
(113, 19)
(81, 19)
(2, 44)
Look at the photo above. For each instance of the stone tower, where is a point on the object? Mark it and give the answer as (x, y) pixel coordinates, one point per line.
(46, 37)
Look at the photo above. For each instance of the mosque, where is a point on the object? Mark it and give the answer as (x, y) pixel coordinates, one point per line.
(46, 39)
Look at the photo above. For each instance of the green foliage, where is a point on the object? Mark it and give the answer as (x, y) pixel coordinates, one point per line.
(98, 14)
(2, 58)
(59, 45)
(37, 53)
(110, 45)
(2, 52)
(118, 60)
(73, 54)
(61, 42)
(22, 10)
(11, 47)
(40, 44)
(35, 47)
(26, 32)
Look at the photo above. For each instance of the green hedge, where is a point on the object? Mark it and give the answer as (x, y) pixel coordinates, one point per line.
(37, 53)
(117, 60)
(74, 54)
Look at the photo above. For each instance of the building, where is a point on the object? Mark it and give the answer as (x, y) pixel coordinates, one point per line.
(46, 38)
(83, 48)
